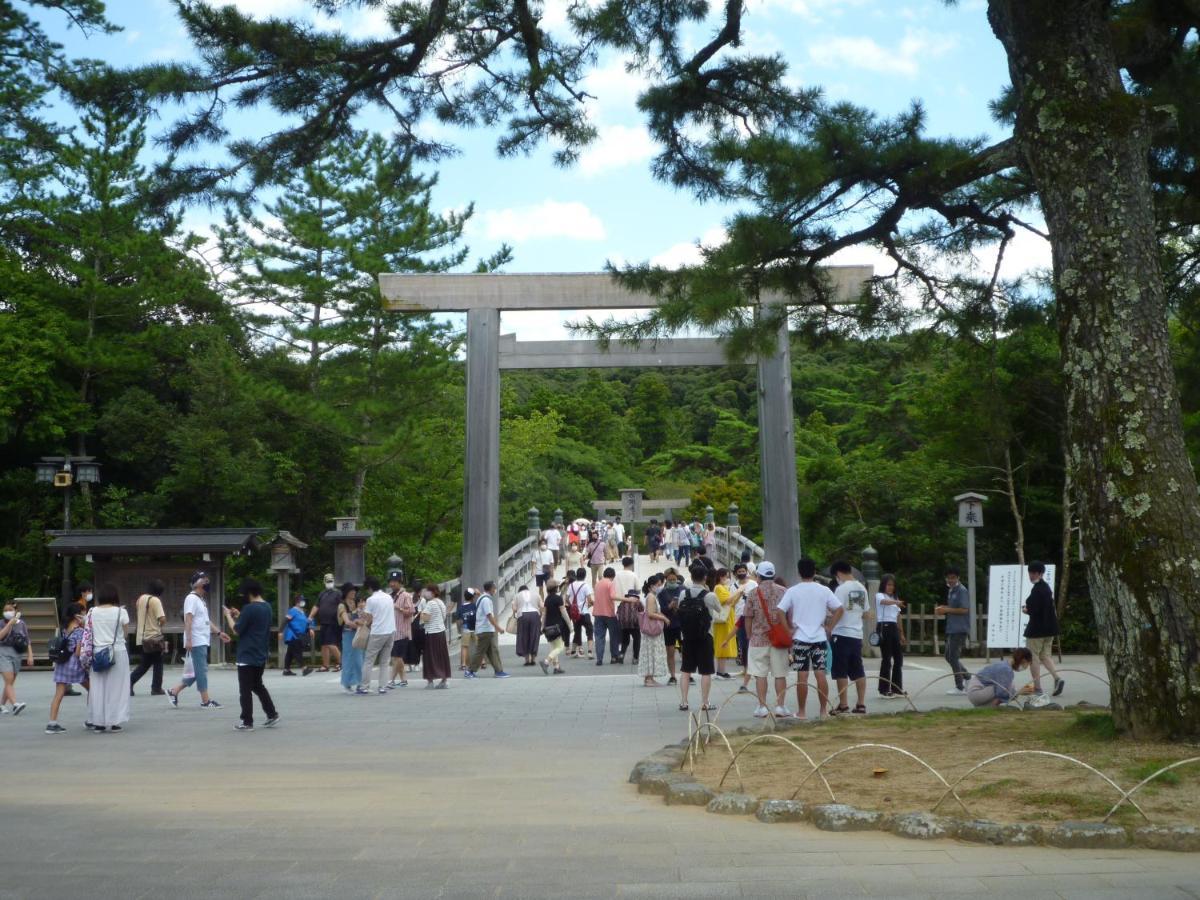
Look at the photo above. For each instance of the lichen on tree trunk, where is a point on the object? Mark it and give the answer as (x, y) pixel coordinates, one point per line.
(1085, 141)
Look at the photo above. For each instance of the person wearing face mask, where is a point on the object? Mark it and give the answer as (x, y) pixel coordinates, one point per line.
(297, 632)
(69, 671)
(350, 613)
(198, 631)
(993, 685)
(668, 605)
(652, 663)
(435, 663)
(14, 645)
(83, 596)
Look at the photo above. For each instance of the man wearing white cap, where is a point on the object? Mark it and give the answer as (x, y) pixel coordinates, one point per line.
(329, 632)
(762, 657)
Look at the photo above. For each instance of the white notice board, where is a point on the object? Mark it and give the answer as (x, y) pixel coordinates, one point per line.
(1008, 588)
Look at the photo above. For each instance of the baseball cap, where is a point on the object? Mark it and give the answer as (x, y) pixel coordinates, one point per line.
(766, 569)
(328, 579)
(197, 577)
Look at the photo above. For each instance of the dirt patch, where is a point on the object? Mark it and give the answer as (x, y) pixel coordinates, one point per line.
(1022, 788)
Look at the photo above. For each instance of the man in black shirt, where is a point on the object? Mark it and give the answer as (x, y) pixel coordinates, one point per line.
(1041, 629)
(253, 626)
(329, 631)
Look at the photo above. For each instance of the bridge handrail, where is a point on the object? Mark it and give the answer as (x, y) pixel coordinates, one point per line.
(516, 565)
(730, 547)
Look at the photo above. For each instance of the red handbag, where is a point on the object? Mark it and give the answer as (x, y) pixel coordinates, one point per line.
(778, 634)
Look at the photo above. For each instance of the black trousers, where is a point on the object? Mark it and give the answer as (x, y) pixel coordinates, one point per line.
(891, 663)
(582, 624)
(250, 682)
(150, 662)
(295, 653)
(633, 635)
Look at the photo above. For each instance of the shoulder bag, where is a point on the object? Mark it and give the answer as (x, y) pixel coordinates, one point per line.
(778, 634)
(103, 659)
(361, 636)
(154, 643)
(650, 627)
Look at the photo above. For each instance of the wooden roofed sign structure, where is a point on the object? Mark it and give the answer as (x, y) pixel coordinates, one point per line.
(484, 296)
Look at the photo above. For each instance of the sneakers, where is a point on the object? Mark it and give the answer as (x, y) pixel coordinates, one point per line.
(1059, 684)
(307, 670)
(271, 722)
(545, 668)
(724, 676)
(348, 690)
(242, 726)
(211, 704)
(466, 674)
(502, 675)
(382, 690)
(761, 712)
(361, 691)
(54, 728)
(115, 728)
(173, 699)
(782, 712)
(288, 672)
(17, 707)
(672, 680)
(956, 692)
(743, 689)
(392, 683)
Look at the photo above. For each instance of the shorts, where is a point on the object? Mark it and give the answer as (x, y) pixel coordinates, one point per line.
(847, 657)
(672, 635)
(1040, 646)
(808, 657)
(468, 639)
(400, 648)
(10, 659)
(766, 661)
(540, 578)
(330, 635)
(698, 656)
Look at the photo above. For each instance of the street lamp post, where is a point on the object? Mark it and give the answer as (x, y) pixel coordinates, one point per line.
(62, 472)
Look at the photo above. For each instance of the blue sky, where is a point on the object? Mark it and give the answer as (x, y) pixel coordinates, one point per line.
(878, 53)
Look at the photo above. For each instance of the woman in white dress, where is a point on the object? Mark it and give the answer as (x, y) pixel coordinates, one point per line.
(108, 691)
(652, 662)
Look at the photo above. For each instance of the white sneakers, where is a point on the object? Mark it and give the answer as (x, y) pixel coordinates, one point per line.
(956, 692)
(761, 713)
(782, 712)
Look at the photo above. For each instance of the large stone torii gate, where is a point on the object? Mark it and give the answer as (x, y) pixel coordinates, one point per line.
(484, 296)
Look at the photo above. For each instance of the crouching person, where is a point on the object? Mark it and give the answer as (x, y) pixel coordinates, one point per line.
(993, 685)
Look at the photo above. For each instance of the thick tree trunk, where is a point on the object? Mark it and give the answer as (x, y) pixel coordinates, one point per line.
(1085, 141)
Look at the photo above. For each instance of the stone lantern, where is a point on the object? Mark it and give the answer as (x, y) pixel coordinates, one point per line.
(349, 550)
(283, 564)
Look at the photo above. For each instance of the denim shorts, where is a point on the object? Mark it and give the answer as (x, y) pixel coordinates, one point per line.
(200, 665)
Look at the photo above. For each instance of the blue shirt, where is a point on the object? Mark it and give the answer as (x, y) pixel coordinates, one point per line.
(253, 629)
(297, 624)
(958, 598)
(1000, 676)
(465, 611)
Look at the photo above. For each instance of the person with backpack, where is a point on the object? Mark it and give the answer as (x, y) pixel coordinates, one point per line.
(604, 608)
(698, 609)
(668, 605)
(149, 636)
(64, 653)
(629, 609)
(579, 609)
(14, 645)
(652, 663)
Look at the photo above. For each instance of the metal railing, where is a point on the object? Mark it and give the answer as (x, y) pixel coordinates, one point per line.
(730, 546)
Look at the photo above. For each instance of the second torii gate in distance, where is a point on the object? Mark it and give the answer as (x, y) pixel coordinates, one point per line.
(484, 296)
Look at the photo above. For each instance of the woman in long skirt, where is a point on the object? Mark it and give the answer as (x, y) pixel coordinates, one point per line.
(435, 664)
(528, 611)
(652, 663)
(349, 612)
(108, 691)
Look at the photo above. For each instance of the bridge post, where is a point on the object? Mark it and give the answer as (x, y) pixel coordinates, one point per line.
(481, 484)
(777, 457)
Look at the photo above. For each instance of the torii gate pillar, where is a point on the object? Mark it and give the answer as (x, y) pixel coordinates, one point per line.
(481, 486)
(777, 458)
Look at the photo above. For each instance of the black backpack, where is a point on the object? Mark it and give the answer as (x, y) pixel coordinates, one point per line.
(694, 617)
(59, 649)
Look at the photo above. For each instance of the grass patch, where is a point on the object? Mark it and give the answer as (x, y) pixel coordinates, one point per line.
(1093, 726)
(1149, 767)
(993, 788)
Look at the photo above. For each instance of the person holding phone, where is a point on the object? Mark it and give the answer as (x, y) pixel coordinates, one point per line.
(888, 607)
(252, 624)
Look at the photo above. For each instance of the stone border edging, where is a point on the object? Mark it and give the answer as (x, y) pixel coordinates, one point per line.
(659, 774)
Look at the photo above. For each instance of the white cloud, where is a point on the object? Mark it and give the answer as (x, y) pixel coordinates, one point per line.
(688, 253)
(616, 146)
(548, 219)
(916, 47)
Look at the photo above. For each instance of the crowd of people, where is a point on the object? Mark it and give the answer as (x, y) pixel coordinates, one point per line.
(681, 626)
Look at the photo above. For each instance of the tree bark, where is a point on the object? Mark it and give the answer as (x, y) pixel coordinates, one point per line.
(1086, 141)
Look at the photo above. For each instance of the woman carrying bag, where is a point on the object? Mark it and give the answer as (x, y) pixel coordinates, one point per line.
(436, 657)
(554, 627)
(108, 690)
(652, 663)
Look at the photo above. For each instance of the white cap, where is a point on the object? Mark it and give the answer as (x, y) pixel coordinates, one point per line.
(766, 569)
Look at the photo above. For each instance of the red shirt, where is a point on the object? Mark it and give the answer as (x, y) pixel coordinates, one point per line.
(602, 600)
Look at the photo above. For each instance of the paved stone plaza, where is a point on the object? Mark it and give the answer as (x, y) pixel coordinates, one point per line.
(491, 789)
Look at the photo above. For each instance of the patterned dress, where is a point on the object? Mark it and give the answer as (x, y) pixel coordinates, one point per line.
(71, 672)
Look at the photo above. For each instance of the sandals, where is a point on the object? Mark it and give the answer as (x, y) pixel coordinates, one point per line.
(336, 669)
(323, 669)
(683, 707)
(839, 710)
(860, 710)
(709, 707)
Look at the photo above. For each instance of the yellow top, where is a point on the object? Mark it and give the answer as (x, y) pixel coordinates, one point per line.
(725, 629)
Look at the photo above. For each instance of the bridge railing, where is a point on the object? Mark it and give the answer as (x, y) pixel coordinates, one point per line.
(731, 544)
(517, 566)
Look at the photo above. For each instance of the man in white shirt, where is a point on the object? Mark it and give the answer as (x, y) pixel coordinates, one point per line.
(620, 530)
(553, 538)
(198, 630)
(625, 591)
(545, 567)
(579, 594)
(487, 634)
(809, 607)
(847, 639)
(381, 609)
